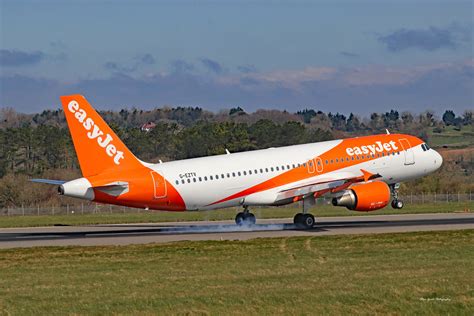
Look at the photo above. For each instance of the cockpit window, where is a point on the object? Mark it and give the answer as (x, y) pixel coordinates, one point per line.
(425, 147)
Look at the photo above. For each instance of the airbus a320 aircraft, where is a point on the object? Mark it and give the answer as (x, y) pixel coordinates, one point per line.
(361, 173)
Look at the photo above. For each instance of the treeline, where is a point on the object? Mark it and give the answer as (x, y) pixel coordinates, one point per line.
(40, 144)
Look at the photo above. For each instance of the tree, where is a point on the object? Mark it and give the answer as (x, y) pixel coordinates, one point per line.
(449, 118)
(353, 123)
(307, 115)
(391, 119)
(338, 121)
(237, 111)
(468, 118)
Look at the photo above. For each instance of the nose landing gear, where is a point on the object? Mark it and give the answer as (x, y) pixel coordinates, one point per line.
(396, 203)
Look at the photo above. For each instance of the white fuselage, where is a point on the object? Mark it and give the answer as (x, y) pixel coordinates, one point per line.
(210, 182)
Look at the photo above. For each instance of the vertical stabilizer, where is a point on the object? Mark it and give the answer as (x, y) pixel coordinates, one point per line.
(98, 148)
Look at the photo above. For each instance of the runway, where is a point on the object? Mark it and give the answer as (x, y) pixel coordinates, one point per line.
(125, 234)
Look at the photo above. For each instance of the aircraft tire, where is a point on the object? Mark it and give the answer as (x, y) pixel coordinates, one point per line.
(298, 219)
(308, 221)
(305, 221)
(250, 219)
(240, 218)
(245, 219)
(397, 204)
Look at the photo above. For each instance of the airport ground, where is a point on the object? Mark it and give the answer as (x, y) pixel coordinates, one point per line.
(422, 273)
(142, 216)
(314, 272)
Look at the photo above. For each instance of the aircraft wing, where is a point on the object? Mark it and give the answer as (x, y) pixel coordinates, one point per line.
(333, 184)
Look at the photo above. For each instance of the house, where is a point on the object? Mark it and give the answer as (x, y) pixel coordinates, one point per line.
(147, 127)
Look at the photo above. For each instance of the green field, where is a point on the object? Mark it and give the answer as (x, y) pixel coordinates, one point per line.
(452, 137)
(409, 273)
(226, 214)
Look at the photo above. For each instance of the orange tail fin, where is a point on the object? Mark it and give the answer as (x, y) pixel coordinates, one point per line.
(97, 147)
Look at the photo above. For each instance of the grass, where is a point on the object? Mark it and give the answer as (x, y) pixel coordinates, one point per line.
(226, 214)
(452, 137)
(410, 273)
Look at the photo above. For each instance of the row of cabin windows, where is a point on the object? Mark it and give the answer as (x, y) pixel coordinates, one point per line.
(278, 168)
(239, 174)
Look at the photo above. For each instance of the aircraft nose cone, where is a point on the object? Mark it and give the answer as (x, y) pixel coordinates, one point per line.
(438, 160)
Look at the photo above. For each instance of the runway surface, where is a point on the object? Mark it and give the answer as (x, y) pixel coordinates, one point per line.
(125, 234)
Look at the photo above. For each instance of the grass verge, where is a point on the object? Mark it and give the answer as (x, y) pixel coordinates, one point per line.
(410, 273)
(226, 214)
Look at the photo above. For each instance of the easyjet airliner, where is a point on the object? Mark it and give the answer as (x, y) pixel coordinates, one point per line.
(361, 173)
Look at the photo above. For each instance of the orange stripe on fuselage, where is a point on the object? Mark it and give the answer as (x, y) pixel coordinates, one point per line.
(338, 152)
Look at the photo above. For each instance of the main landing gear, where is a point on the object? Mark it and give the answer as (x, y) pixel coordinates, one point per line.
(245, 218)
(396, 203)
(304, 220)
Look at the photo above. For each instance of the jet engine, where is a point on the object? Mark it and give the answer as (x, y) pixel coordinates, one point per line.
(364, 197)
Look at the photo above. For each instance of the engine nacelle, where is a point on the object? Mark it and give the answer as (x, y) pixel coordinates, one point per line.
(364, 197)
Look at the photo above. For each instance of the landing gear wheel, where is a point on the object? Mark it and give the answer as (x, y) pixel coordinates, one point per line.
(239, 218)
(245, 218)
(298, 218)
(308, 220)
(250, 219)
(305, 221)
(397, 204)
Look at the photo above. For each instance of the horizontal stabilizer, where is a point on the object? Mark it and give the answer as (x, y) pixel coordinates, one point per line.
(48, 181)
(114, 189)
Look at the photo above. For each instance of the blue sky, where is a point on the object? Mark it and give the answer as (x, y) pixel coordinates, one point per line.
(358, 56)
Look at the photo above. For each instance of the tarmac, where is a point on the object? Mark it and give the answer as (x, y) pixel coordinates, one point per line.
(126, 234)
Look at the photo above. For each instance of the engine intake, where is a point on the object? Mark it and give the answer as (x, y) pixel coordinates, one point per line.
(364, 197)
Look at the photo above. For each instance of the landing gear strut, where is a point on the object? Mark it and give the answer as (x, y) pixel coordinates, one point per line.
(304, 220)
(396, 203)
(245, 218)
